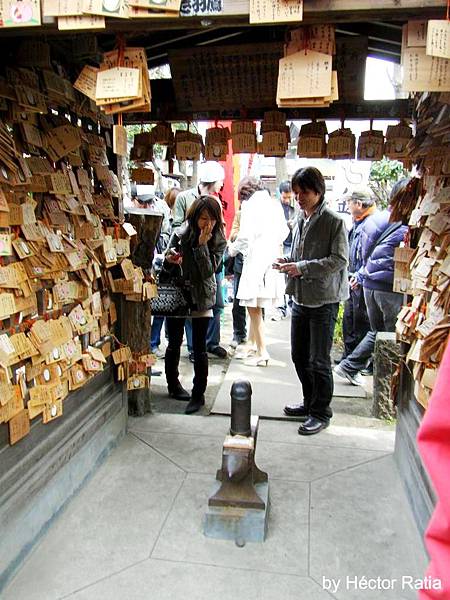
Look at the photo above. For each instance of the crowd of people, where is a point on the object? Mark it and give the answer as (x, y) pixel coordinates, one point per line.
(288, 254)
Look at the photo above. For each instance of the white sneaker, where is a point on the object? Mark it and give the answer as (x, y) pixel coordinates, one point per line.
(354, 379)
(159, 352)
(235, 343)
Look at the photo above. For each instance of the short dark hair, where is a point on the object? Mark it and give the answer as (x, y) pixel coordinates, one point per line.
(248, 186)
(310, 179)
(285, 187)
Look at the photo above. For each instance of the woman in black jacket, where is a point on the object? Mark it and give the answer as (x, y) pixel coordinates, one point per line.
(197, 246)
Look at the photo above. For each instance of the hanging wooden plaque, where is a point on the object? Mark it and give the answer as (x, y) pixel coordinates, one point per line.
(120, 140)
(19, 426)
(371, 145)
(341, 144)
(438, 38)
(276, 11)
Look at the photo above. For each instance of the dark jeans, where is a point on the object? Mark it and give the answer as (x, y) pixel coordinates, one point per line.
(355, 321)
(382, 308)
(198, 331)
(312, 331)
(155, 335)
(239, 313)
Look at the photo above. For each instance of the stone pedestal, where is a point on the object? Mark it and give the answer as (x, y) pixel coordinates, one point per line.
(386, 359)
(240, 525)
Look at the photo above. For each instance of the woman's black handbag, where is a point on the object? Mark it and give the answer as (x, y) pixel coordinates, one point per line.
(172, 298)
(170, 302)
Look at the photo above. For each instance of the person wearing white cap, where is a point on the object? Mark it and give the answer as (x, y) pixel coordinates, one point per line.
(211, 176)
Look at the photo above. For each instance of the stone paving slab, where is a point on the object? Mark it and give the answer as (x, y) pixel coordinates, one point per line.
(282, 460)
(284, 551)
(171, 580)
(113, 523)
(361, 526)
(375, 435)
(135, 531)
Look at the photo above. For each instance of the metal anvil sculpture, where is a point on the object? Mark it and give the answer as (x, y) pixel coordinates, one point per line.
(239, 473)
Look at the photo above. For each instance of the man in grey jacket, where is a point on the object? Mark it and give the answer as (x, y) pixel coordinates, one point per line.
(318, 281)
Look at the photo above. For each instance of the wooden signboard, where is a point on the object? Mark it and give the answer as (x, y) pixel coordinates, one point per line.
(194, 8)
(351, 55)
(231, 76)
(120, 140)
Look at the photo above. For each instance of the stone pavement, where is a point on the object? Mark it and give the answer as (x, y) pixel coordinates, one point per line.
(135, 531)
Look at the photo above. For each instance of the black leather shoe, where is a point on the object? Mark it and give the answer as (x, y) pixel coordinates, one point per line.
(312, 426)
(218, 351)
(195, 404)
(296, 410)
(179, 393)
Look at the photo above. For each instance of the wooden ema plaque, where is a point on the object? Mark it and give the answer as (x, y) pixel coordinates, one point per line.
(276, 11)
(19, 427)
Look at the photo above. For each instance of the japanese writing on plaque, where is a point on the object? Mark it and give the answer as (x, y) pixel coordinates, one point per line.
(320, 38)
(438, 38)
(305, 75)
(423, 73)
(81, 22)
(226, 77)
(191, 8)
(119, 82)
(416, 34)
(272, 11)
(62, 8)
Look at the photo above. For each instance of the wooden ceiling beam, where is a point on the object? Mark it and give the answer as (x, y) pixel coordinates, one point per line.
(164, 109)
(235, 14)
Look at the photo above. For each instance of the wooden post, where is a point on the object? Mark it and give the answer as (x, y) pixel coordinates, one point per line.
(137, 315)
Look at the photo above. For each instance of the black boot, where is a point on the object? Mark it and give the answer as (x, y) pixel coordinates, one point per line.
(171, 361)
(200, 382)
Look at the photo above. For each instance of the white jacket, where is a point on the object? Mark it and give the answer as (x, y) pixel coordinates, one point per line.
(261, 234)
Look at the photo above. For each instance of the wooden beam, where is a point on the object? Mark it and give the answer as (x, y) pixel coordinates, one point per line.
(165, 109)
(235, 13)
